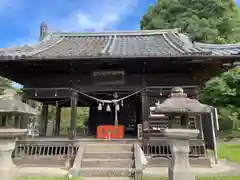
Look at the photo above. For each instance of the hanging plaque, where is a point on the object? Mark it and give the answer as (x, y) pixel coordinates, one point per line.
(108, 77)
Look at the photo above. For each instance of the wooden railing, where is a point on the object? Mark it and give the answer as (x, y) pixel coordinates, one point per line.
(62, 153)
(160, 148)
(52, 153)
(155, 144)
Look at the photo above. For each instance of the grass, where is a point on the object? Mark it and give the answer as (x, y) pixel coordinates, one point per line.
(205, 178)
(144, 178)
(49, 178)
(229, 151)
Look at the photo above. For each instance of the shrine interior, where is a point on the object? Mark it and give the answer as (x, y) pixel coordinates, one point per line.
(49, 82)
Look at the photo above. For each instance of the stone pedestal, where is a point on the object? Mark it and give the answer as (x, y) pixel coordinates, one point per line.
(179, 167)
(6, 149)
(7, 145)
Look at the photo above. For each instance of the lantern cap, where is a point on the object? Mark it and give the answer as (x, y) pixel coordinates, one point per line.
(179, 103)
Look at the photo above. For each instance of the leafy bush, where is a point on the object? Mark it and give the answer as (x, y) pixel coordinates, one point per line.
(223, 92)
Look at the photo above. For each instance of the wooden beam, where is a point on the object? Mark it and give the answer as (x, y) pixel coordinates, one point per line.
(45, 93)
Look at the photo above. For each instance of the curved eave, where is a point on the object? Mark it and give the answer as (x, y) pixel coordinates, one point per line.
(218, 46)
(232, 58)
(27, 51)
(221, 49)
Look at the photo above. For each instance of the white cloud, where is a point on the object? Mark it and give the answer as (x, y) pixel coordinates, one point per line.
(95, 15)
(90, 22)
(102, 15)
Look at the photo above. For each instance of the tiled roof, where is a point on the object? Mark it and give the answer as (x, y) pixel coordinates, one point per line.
(148, 43)
(153, 43)
(221, 49)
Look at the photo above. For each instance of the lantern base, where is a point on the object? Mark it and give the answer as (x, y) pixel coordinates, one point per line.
(8, 169)
(6, 149)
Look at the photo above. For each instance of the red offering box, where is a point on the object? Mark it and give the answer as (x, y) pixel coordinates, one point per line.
(110, 132)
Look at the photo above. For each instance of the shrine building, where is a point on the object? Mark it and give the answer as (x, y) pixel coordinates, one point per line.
(118, 75)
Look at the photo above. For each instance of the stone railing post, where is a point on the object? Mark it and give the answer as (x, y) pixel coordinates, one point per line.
(7, 145)
(179, 167)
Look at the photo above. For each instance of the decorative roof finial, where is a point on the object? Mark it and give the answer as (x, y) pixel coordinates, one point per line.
(43, 31)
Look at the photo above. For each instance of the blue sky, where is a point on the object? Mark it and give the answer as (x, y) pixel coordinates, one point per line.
(20, 19)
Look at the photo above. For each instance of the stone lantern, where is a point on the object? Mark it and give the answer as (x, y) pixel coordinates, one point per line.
(10, 106)
(178, 104)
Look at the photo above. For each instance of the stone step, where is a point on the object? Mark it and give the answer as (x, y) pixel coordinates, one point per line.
(108, 163)
(108, 155)
(106, 172)
(108, 147)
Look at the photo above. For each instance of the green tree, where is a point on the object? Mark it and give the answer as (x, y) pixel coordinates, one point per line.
(211, 21)
(223, 92)
(82, 115)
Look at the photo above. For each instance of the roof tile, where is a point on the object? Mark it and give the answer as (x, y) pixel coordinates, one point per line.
(156, 43)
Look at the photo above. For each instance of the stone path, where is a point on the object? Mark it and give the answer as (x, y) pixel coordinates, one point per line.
(223, 168)
(41, 171)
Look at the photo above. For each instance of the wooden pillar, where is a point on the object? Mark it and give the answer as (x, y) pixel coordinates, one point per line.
(72, 130)
(138, 115)
(145, 110)
(58, 119)
(145, 123)
(145, 106)
(44, 120)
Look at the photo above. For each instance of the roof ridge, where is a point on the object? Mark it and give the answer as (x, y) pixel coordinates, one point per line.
(172, 44)
(45, 48)
(175, 39)
(108, 45)
(120, 33)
